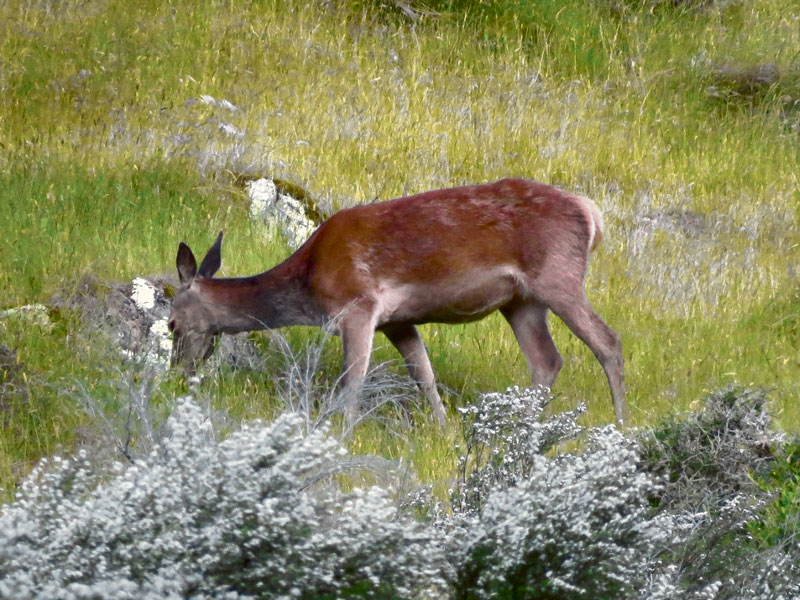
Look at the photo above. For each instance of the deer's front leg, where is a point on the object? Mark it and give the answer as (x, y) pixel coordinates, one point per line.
(408, 342)
(357, 329)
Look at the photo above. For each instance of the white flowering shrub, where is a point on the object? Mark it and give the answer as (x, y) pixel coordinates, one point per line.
(505, 433)
(548, 526)
(253, 516)
(673, 512)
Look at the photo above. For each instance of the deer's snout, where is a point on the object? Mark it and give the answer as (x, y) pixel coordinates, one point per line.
(190, 350)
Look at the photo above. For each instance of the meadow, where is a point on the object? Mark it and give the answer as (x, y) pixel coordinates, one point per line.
(125, 128)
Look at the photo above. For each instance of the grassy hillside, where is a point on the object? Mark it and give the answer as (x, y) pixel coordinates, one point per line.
(123, 124)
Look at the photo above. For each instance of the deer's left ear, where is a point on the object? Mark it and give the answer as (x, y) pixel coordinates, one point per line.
(213, 259)
(187, 265)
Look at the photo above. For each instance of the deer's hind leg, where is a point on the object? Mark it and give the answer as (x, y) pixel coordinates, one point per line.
(528, 320)
(578, 315)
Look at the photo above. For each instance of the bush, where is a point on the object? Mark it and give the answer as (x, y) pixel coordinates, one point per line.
(253, 516)
(711, 461)
(505, 434)
(713, 453)
(693, 508)
(532, 525)
(699, 507)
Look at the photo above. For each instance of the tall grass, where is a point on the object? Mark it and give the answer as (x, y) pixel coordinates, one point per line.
(116, 144)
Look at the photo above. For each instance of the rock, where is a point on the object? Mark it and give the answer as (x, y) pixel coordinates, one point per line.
(135, 316)
(278, 210)
(147, 320)
(746, 80)
(36, 314)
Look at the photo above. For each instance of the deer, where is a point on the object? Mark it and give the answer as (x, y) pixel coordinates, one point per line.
(444, 256)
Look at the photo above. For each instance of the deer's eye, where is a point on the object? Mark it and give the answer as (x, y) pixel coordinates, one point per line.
(171, 324)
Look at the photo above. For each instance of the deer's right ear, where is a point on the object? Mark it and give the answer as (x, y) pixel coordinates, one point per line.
(187, 265)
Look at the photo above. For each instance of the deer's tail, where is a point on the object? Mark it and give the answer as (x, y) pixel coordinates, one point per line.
(595, 221)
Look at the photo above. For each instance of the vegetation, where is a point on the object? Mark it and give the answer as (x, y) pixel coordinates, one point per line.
(275, 511)
(127, 127)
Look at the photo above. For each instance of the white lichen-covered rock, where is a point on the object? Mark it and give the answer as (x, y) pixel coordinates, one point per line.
(139, 324)
(151, 341)
(36, 314)
(279, 211)
(134, 316)
(211, 101)
(143, 294)
(262, 193)
(155, 347)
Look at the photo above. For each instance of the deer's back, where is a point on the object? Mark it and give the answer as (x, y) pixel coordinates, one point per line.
(448, 255)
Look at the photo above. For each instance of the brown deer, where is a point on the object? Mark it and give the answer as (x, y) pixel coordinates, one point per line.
(445, 256)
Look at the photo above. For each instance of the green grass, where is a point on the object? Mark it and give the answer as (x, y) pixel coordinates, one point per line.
(780, 517)
(108, 158)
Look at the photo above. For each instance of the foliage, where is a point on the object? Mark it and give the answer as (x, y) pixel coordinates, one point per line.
(125, 128)
(710, 462)
(505, 436)
(779, 522)
(714, 452)
(255, 515)
(533, 524)
(671, 512)
(268, 512)
(575, 528)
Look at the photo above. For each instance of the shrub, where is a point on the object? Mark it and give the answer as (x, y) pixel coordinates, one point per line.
(536, 525)
(711, 453)
(255, 515)
(505, 433)
(710, 462)
(699, 507)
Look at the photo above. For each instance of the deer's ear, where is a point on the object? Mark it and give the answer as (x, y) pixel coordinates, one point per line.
(213, 259)
(187, 265)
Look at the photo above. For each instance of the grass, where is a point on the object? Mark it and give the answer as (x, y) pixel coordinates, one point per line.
(110, 156)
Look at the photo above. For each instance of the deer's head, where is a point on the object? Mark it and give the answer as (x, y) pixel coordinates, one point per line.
(192, 318)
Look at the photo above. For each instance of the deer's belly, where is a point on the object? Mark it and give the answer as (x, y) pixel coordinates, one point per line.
(450, 300)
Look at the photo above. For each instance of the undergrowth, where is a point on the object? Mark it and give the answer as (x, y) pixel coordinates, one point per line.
(274, 510)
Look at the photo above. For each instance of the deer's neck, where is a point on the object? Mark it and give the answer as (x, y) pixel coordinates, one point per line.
(276, 298)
